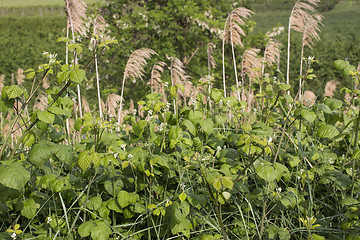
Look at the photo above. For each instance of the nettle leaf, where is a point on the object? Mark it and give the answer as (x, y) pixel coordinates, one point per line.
(30, 208)
(59, 111)
(125, 198)
(41, 152)
(349, 201)
(195, 116)
(267, 171)
(85, 228)
(333, 103)
(308, 114)
(207, 125)
(64, 153)
(46, 117)
(14, 176)
(175, 132)
(84, 160)
(139, 127)
(13, 91)
(77, 75)
(262, 129)
(327, 131)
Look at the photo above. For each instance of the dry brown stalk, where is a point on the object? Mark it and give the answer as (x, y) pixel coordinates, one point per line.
(76, 13)
(46, 83)
(330, 88)
(309, 98)
(20, 77)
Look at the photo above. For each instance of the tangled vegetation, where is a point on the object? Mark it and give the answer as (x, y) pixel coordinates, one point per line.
(252, 159)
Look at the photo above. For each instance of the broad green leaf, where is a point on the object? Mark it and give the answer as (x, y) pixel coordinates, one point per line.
(356, 154)
(195, 117)
(125, 198)
(349, 201)
(14, 176)
(77, 75)
(30, 208)
(13, 91)
(139, 127)
(46, 117)
(308, 114)
(84, 160)
(182, 196)
(60, 111)
(220, 120)
(101, 232)
(41, 152)
(333, 103)
(85, 228)
(64, 153)
(216, 94)
(262, 129)
(227, 182)
(327, 131)
(175, 132)
(288, 199)
(95, 203)
(207, 125)
(189, 126)
(113, 188)
(266, 171)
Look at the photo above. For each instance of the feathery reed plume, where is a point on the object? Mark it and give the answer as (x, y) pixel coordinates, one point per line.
(132, 107)
(178, 75)
(330, 88)
(85, 105)
(2, 80)
(46, 83)
(41, 102)
(297, 21)
(271, 56)
(275, 32)
(272, 52)
(135, 69)
(232, 34)
(20, 77)
(211, 60)
(156, 84)
(309, 98)
(358, 69)
(347, 98)
(112, 103)
(249, 63)
(103, 106)
(76, 12)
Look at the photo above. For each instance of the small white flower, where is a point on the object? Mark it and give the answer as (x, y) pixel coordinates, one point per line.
(13, 236)
(279, 190)
(221, 102)
(218, 148)
(134, 112)
(49, 219)
(130, 156)
(331, 161)
(166, 84)
(150, 112)
(269, 140)
(123, 146)
(182, 186)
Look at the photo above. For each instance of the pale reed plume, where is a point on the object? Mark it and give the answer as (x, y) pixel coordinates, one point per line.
(76, 13)
(2, 80)
(45, 83)
(41, 102)
(232, 34)
(272, 52)
(309, 98)
(330, 88)
(103, 106)
(233, 25)
(275, 32)
(112, 104)
(250, 66)
(177, 71)
(211, 59)
(135, 69)
(156, 84)
(300, 14)
(358, 69)
(85, 105)
(20, 77)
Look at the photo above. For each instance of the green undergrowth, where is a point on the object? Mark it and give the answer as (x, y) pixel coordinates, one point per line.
(209, 170)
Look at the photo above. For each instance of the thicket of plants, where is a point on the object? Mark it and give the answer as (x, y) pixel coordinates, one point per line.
(253, 158)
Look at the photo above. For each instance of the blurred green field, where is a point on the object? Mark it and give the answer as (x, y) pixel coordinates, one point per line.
(36, 3)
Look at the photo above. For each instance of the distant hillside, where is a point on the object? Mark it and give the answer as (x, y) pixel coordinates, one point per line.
(36, 3)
